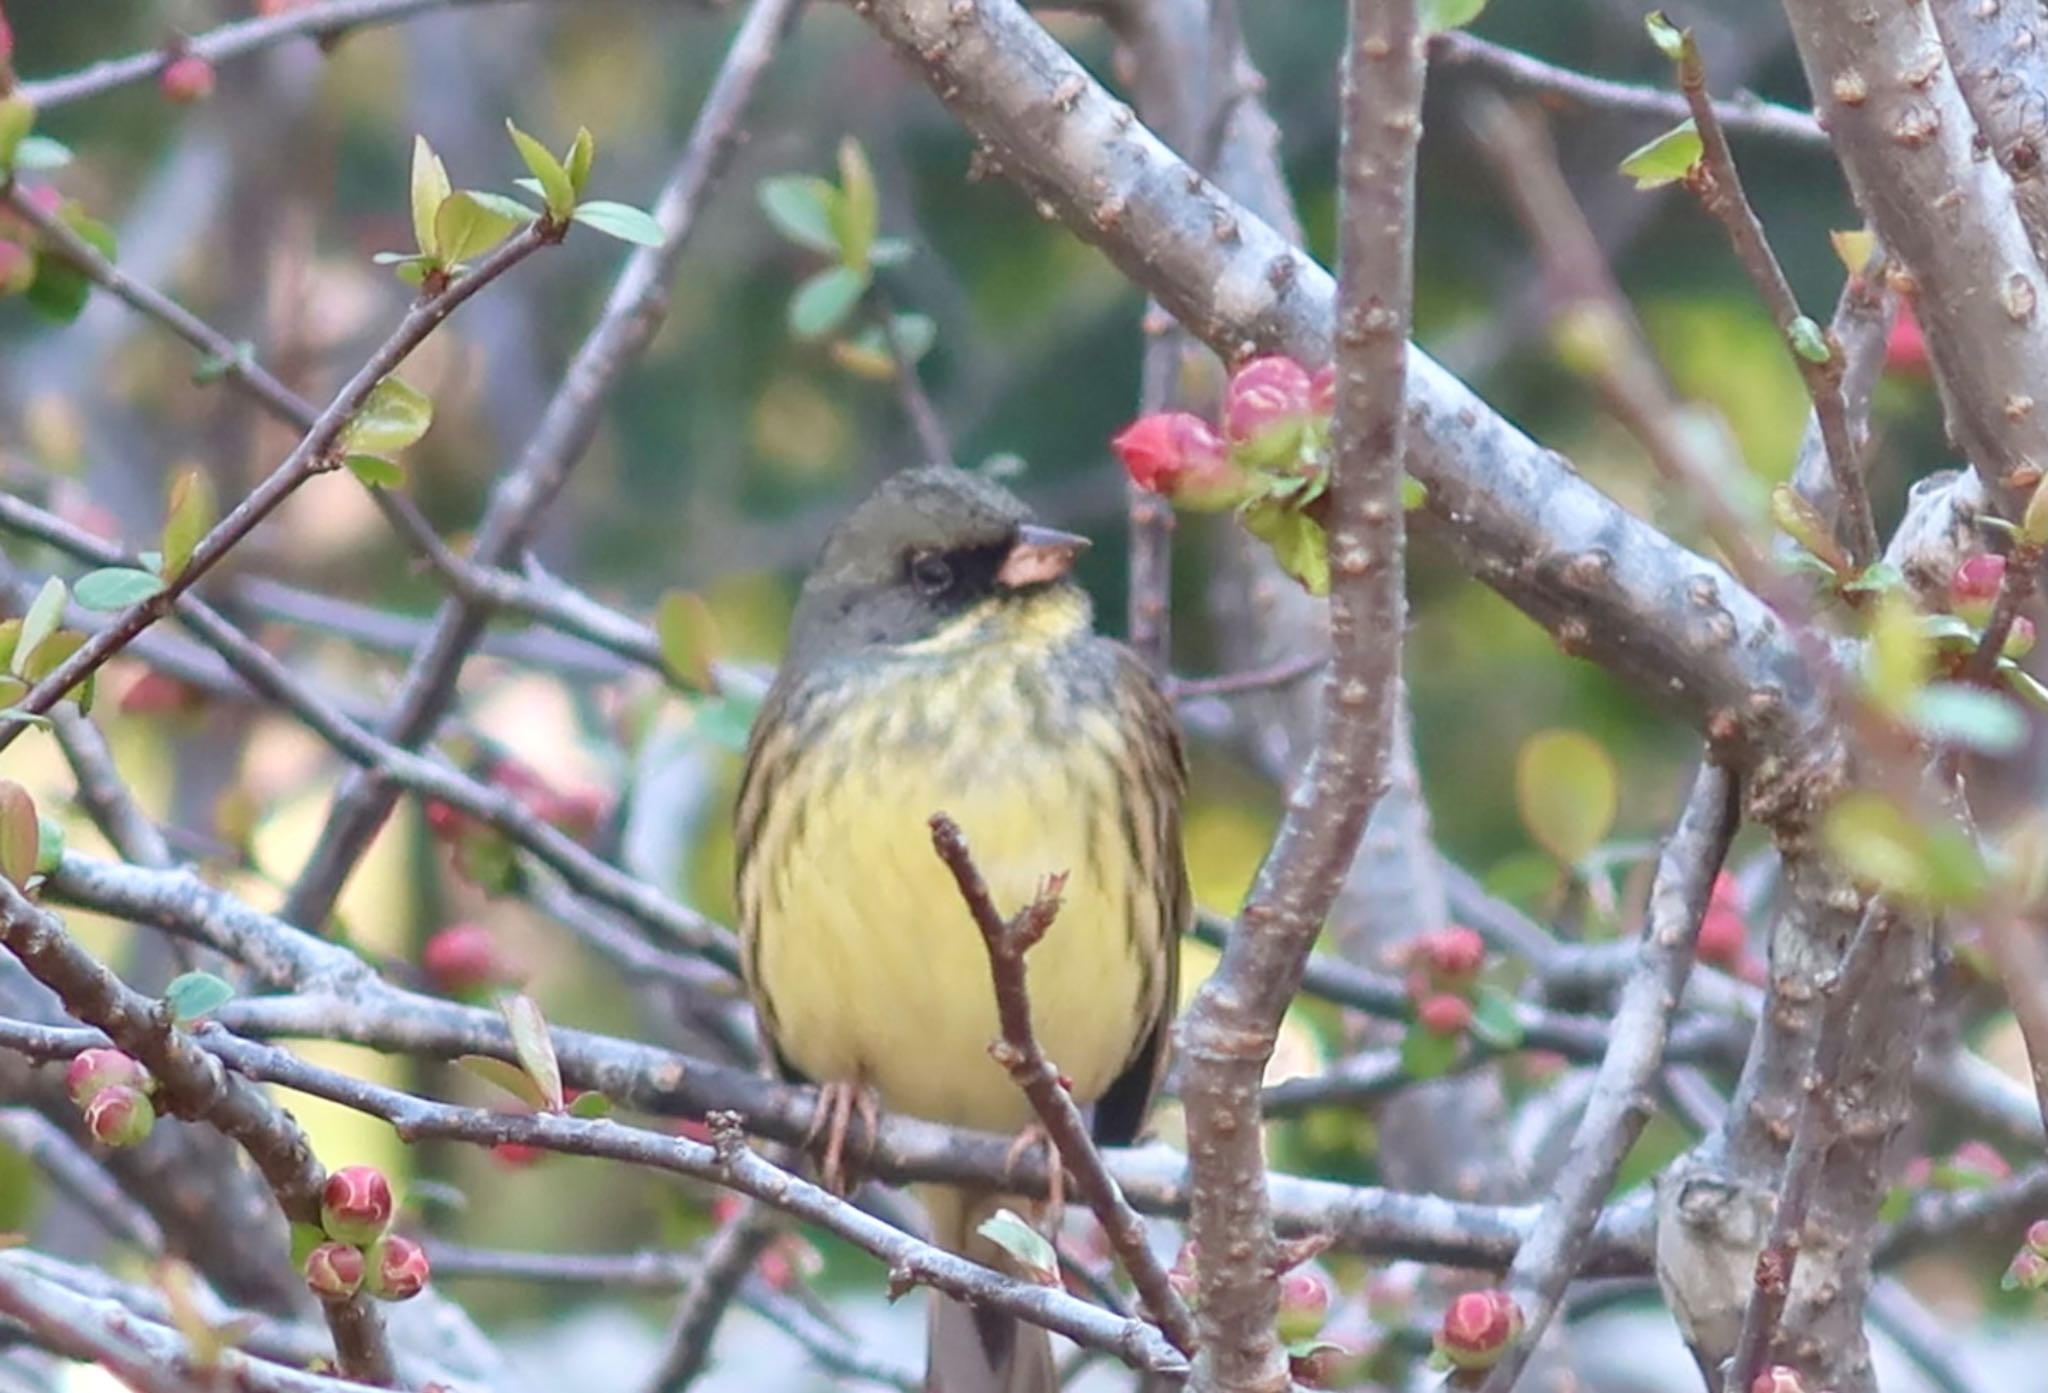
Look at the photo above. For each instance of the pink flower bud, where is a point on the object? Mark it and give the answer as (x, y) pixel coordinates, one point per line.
(1725, 892)
(92, 1071)
(1723, 939)
(186, 79)
(334, 1271)
(2028, 1271)
(1478, 1329)
(1779, 1378)
(2037, 1236)
(1445, 1014)
(398, 1269)
(1322, 390)
(1974, 586)
(119, 1116)
(1264, 409)
(1304, 1303)
(1452, 956)
(2019, 640)
(6, 40)
(356, 1204)
(1181, 456)
(1978, 1162)
(444, 821)
(464, 958)
(1905, 350)
(157, 693)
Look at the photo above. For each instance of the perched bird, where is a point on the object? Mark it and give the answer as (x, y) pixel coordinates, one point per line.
(942, 659)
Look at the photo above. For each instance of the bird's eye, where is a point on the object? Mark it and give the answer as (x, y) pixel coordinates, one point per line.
(930, 573)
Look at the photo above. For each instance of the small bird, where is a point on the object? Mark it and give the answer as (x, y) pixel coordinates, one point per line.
(942, 659)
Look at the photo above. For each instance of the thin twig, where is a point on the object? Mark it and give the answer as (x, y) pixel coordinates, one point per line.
(1284, 673)
(1019, 1052)
(2015, 590)
(77, 1175)
(728, 1258)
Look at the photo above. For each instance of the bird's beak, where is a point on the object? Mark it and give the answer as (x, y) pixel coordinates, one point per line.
(1039, 554)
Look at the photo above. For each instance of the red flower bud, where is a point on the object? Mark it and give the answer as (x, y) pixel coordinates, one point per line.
(1725, 891)
(187, 78)
(1981, 1162)
(2028, 1271)
(119, 1116)
(1328, 1364)
(2019, 640)
(1445, 1014)
(1304, 1303)
(444, 821)
(464, 958)
(1181, 456)
(334, 1271)
(92, 1071)
(1918, 1172)
(1905, 351)
(1265, 407)
(1322, 390)
(1723, 939)
(1478, 1329)
(1779, 1378)
(2037, 1236)
(1974, 587)
(1452, 956)
(515, 1154)
(397, 1269)
(356, 1204)
(6, 40)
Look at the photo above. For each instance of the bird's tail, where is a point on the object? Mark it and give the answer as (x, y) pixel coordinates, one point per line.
(971, 1349)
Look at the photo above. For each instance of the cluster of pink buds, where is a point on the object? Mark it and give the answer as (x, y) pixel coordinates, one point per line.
(1973, 591)
(1274, 425)
(361, 1253)
(2029, 1268)
(112, 1089)
(1443, 972)
(1479, 1328)
(466, 960)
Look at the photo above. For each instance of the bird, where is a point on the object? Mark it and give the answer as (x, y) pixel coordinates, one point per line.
(942, 658)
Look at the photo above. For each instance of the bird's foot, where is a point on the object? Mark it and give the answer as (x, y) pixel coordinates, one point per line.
(830, 1123)
(1035, 1137)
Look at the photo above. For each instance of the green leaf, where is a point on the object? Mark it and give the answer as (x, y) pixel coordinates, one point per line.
(305, 1238)
(45, 612)
(1897, 1201)
(50, 654)
(800, 206)
(430, 188)
(510, 1078)
(534, 1047)
(1807, 340)
(590, 1105)
(17, 119)
(1568, 792)
(726, 720)
(1028, 1248)
(114, 588)
(1876, 578)
(19, 834)
(465, 229)
(189, 515)
(196, 994)
(40, 154)
(2034, 521)
(533, 187)
(582, 150)
(689, 638)
(1414, 493)
(376, 471)
(621, 220)
(60, 290)
(213, 367)
(1495, 1020)
(1880, 844)
(858, 215)
(1897, 658)
(547, 171)
(49, 845)
(504, 205)
(1440, 15)
(1947, 631)
(1427, 1055)
(1951, 713)
(1666, 159)
(822, 303)
(1668, 37)
(1296, 539)
(393, 416)
(2019, 680)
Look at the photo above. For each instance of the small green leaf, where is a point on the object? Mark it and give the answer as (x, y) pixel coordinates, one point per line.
(1297, 540)
(1414, 494)
(621, 220)
(1495, 1021)
(2034, 521)
(858, 215)
(555, 187)
(60, 290)
(1882, 845)
(726, 720)
(1428, 1055)
(590, 1105)
(1808, 340)
(305, 1238)
(189, 515)
(1897, 1201)
(430, 188)
(1947, 631)
(533, 187)
(393, 417)
(504, 205)
(1951, 713)
(1439, 16)
(377, 471)
(19, 834)
(114, 588)
(1897, 658)
(40, 154)
(196, 994)
(689, 638)
(30, 718)
(1876, 579)
(534, 1046)
(1668, 37)
(1666, 159)
(49, 845)
(45, 612)
(465, 229)
(509, 1078)
(1028, 1248)
(582, 150)
(801, 208)
(1568, 792)
(822, 303)
(17, 119)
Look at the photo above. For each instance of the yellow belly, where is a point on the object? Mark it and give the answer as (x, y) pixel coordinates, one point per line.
(865, 958)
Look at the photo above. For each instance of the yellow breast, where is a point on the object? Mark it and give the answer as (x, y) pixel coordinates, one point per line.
(861, 955)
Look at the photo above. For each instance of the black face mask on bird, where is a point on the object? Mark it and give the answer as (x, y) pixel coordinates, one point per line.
(929, 546)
